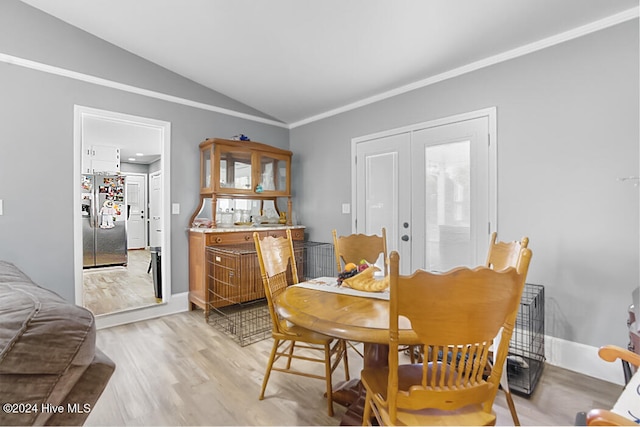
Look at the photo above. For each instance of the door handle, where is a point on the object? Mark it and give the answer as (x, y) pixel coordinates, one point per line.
(405, 238)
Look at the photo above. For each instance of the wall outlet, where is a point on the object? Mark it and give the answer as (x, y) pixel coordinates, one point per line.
(1, 207)
(346, 208)
(175, 208)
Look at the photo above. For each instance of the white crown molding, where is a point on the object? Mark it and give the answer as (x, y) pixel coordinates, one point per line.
(14, 60)
(575, 33)
(601, 24)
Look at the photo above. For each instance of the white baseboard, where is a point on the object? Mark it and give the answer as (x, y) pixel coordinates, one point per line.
(177, 303)
(583, 359)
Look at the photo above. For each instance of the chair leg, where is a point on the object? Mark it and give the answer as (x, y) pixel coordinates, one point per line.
(504, 384)
(366, 415)
(327, 371)
(512, 407)
(350, 344)
(345, 360)
(272, 357)
(291, 348)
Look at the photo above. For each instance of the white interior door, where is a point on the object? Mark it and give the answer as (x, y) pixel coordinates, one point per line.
(155, 209)
(136, 220)
(432, 187)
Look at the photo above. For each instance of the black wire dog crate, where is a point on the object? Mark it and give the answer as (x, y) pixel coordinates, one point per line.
(236, 294)
(526, 348)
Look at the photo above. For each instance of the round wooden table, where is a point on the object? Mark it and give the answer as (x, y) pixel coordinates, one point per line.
(351, 318)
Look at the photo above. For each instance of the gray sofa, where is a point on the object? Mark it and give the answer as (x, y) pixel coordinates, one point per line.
(51, 372)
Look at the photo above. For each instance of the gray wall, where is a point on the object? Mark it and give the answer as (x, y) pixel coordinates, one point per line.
(134, 168)
(567, 129)
(36, 140)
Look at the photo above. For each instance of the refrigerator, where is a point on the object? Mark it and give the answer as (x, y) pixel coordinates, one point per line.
(104, 222)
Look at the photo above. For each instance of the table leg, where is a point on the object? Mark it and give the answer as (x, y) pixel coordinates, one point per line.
(375, 356)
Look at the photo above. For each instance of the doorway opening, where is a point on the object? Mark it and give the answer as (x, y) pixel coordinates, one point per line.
(115, 155)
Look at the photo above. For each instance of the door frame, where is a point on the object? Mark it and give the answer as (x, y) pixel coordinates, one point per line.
(165, 132)
(490, 113)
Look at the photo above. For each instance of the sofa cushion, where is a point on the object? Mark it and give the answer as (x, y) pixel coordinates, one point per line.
(33, 319)
(46, 344)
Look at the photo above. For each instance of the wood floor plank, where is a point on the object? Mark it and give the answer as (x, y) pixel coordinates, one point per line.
(179, 370)
(113, 289)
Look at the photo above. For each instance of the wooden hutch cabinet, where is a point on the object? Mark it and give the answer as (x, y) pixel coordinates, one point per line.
(239, 180)
(242, 170)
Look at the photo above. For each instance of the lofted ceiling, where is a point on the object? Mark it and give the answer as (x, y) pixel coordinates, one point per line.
(296, 60)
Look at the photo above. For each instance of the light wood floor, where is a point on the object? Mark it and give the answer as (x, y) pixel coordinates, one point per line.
(178, 370)
(113, 289)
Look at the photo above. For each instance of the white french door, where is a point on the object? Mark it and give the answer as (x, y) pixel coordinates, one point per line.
(450, 201)
(432, 186)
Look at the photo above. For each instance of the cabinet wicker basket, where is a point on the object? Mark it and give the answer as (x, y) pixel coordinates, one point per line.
(236, 293)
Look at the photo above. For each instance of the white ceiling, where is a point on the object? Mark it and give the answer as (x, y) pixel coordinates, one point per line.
(138, 143)
(298, 59)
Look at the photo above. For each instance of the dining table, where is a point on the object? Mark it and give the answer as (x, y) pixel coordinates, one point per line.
(324, 306)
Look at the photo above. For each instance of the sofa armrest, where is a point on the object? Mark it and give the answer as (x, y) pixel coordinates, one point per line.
(83, 396)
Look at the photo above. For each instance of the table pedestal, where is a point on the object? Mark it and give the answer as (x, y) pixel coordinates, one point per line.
(352, 393)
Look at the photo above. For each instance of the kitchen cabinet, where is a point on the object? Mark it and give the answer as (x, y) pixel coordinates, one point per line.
(100, 159)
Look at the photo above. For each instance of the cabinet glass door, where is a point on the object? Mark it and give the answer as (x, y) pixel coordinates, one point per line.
(235, 170)
(273, 174)
(205, 169)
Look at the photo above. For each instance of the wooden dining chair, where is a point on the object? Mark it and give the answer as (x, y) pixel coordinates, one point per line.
(356, 247)
(276, 257)
(502, 255)
(626, 410)
(456, 316)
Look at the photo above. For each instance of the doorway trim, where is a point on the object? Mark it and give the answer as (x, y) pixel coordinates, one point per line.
(169, 304)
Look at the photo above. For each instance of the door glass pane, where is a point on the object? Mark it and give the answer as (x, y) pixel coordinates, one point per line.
(381, 194)
(448, 205)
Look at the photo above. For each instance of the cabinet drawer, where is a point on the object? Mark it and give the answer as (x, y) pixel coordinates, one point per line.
(238, 237)
(295, 234)
(229, 238)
